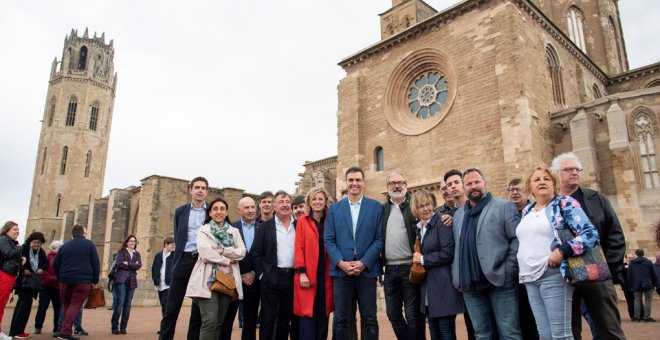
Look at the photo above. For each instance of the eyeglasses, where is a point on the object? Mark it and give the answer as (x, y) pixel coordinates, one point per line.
(571, 169)
(399, 183)
(512, 190)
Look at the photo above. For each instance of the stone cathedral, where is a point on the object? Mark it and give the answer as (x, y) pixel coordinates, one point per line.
(501, 85)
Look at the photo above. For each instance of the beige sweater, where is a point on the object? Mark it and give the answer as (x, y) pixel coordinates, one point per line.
(208, 254)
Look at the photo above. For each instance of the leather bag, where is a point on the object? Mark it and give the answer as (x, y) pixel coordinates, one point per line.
(95, 299)
(417, 271)
(590, 266)
(32, 281)
(225, 284)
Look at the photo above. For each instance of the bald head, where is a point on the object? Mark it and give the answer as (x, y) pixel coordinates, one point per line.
(247, 209)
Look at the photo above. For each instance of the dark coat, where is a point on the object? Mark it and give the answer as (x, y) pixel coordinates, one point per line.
(641, 274)
(181, 215)
(604, 218)
(25, 252)
(77, 262)
(438, 254)
(264, 253)
(246, 264)
(408, 219)
(10, 255)
(155, 268)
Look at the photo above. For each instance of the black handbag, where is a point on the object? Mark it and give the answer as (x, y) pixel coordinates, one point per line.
(32, 281)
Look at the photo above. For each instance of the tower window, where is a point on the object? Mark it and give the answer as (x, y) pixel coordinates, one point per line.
(88, 162)
(57, 207)
(82, 61)
(43, 161)
(65, 154)
(555, 75)
(94, 116)
(379, 159)
(51, 113)
(576, 28)
(615, 42)
(597, 93)
(71, 112)
(644, 132)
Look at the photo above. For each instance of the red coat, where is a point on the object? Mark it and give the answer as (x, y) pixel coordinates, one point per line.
(306, 255)
(48, 277)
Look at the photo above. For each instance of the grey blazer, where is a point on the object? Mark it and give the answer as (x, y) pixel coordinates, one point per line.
(497, 244)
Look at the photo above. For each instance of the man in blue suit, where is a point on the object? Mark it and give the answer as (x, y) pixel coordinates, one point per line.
(354, 240)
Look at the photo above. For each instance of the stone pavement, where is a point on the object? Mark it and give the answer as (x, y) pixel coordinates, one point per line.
(144, 323)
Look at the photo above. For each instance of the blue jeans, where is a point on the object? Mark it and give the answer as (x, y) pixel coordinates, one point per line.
(399, 292)
(122, 295)
(551, 299)
(346, 289)
(443, 328)
(501, 301)
(77, 323)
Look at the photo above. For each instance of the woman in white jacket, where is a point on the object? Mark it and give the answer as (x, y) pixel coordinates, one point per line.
(220, 247)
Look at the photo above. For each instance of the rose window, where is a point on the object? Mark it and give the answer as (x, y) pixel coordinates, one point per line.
(427, 94)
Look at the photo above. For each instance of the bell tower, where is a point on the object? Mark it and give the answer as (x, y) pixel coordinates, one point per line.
(73, 142)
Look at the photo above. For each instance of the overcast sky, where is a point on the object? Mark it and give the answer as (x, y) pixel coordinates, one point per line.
(245, 90)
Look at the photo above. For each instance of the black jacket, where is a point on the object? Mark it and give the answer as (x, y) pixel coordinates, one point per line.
(264, 253)
(641, 274)
(408, 219)
(155, 268)
(247, 263)
(604, 218)
(10, 255)
(25, 252)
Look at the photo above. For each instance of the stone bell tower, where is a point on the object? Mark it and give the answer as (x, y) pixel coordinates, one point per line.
(73, 143)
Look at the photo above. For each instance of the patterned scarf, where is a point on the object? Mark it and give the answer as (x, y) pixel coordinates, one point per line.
(222, 239)
(34, 259)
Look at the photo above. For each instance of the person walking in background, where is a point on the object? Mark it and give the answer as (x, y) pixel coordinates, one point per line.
(625, 286)
(10, 264)
(128, 262)
(161, 271)
(33, 266)
(220, 248)
(50, 292)
(642, 278)
(440, 301)
(312, 286)
(77, 268)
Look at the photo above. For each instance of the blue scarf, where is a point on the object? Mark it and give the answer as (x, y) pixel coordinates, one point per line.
(471, 277)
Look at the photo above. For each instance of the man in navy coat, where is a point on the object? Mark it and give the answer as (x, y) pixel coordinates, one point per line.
(354, 240)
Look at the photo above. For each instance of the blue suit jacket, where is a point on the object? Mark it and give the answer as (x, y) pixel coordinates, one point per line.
(368, 242)
(181, 216)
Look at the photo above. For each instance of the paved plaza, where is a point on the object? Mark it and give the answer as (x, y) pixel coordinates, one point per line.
(144, 323)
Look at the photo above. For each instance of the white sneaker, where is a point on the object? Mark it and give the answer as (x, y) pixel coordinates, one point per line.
(4, 336)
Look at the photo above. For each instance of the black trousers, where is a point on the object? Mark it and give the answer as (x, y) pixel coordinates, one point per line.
(600, 298)
(277, 309)
(162, 298)
(180, 276)
(46, 296)
(21, 312)
(251, 298)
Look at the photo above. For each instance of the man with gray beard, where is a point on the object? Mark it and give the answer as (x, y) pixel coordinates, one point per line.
(398, 240)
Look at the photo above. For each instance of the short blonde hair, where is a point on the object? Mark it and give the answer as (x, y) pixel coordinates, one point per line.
(7, 227)
(311, 194)
(527, 185)
(418, 197)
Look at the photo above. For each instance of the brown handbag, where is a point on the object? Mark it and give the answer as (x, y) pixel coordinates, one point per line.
(225, 284)
(95, 299)
(417, 271)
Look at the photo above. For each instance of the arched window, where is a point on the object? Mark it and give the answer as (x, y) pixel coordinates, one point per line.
(51, 112)
(379, 159)
(71, 112)
(555, 75)
(65, 154)
(88, 162)
(575, 21)
(615, 42)
(57, 207)
(82, 60)
(644, 132)
(597, 93)
(43, 161)
(94, 116)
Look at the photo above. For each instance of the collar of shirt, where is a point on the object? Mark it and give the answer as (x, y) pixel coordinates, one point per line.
(192, 206)
(248, 225)
(358, 203)
(280, 225)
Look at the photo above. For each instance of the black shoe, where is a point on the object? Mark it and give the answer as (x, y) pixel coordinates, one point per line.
(123, 331)
(649, 320)
(67, 337)
(37, 331)
(80, 332)
(55, 335)
(115, 331)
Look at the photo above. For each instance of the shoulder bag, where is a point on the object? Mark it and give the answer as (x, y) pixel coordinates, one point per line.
(32, 281)
(417, 271)
(225, 284)
(590, 266)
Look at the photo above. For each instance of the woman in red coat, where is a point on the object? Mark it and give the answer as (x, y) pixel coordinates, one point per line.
(311, 304)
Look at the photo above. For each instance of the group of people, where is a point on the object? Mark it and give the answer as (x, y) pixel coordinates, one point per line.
(63, 278)
(288, 264)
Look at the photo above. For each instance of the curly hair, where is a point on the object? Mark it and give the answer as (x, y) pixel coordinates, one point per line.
(36, 236)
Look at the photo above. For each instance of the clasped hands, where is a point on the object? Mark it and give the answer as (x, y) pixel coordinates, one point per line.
(352, 268)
